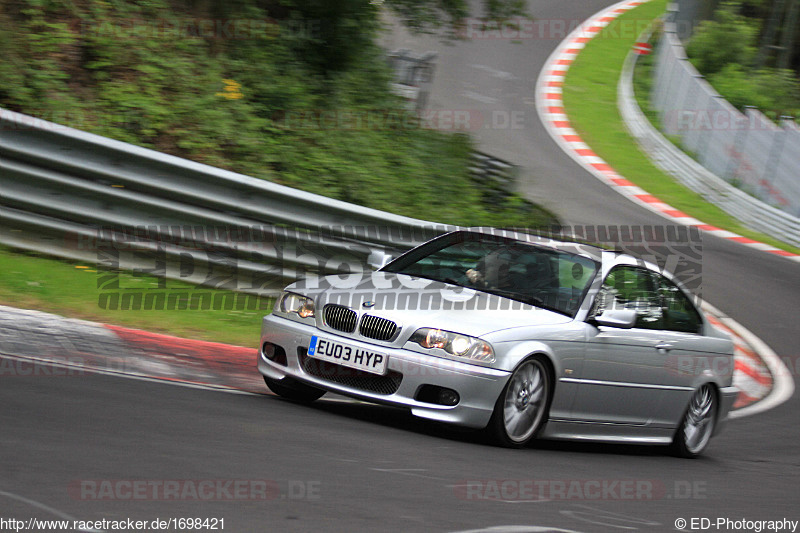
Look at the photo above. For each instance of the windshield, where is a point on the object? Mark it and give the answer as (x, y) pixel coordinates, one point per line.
(521, 271)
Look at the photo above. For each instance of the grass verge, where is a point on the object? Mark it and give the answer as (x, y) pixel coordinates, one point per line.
(590, 100)
(71, 288)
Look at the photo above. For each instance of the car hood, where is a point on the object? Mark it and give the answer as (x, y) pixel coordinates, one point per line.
(415, 302)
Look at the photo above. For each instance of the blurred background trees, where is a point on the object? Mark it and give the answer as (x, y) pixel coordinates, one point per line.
(293, 91)
(750, 54)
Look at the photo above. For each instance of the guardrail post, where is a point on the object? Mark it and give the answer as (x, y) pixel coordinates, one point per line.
(413, 76)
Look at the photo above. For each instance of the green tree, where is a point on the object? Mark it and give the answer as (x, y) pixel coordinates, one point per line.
(724, 49)
(729, 38)
(273, 105)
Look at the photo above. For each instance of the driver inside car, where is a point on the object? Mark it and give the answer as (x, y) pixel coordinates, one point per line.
(493, 271)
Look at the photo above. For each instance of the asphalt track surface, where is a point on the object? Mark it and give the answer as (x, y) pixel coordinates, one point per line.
(340, 466)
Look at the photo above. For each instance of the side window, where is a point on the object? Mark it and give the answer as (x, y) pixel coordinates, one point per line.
(679, 312)
(632, 288)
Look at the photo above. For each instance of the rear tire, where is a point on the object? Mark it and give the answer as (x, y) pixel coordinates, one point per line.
(293, 390)
(522, 408)
(697, 424)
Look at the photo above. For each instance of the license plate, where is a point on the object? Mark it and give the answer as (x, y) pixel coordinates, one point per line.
(349, 356)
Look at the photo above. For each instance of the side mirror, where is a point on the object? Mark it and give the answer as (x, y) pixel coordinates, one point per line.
(617, 318)
(378, 259)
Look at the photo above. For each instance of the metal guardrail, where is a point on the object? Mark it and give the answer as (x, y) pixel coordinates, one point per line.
(750, 211)
(76, 195)
(496, 177)
(744, 148)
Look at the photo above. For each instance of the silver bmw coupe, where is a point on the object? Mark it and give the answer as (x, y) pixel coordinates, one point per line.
(523, 336)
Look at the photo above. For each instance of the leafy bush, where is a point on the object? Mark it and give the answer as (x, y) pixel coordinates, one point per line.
(723, 50)
(729, 38)
(775, 92)
(145, 73)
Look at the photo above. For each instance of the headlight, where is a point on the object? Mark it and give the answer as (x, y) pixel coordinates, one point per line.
(290, 302)
(454, 344)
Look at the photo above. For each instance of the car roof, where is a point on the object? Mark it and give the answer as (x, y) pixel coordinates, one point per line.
(608, 257)
(574, 245)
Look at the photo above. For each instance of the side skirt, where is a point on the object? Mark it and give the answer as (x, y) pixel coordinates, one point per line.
(597, 432)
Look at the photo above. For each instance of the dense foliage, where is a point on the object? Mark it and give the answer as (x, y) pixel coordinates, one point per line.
(724, 50)
(289, 91)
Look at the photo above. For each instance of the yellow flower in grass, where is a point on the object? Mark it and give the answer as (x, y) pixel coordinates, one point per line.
(232, 90)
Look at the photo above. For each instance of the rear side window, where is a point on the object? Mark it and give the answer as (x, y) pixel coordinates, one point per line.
(659, 303)
(679, 313)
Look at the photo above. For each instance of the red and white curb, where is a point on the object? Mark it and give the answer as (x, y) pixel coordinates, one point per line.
(764, 381)
(550, 107)
(761, 376)
(78, 345)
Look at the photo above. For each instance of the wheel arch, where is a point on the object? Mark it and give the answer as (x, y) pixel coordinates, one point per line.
(715, 389)
(552, 362)
(525, 350)
(548, 363)
(498, 428)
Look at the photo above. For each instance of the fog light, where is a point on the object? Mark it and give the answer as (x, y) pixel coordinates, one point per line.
(268, 349)
(274, 353)
(448, 397)
(437, 395)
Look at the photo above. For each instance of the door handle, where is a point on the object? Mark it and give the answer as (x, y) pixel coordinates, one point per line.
(663, 346)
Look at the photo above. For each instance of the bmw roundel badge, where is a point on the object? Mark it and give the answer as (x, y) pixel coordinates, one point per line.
(369, 303)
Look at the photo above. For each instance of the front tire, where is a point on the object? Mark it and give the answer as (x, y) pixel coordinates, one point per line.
(522, 408)
(293, 390)
(698, 423)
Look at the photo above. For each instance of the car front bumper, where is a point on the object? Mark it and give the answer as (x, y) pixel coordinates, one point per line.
(407, 375)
